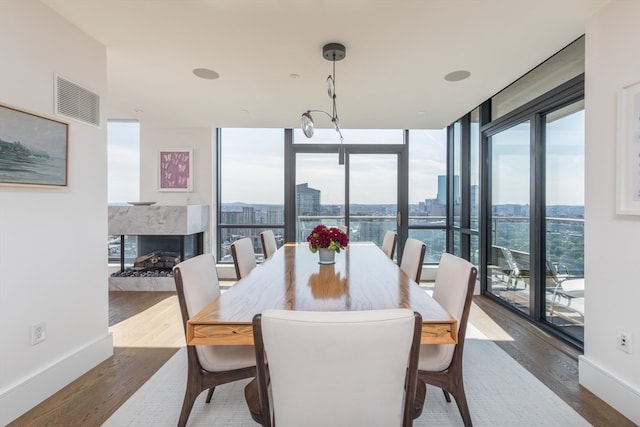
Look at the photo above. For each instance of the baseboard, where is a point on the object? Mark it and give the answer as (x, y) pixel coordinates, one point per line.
(20, 398)
(142, 284)
(617, 393)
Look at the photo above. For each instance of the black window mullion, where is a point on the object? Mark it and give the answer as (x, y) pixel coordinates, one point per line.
(289, 187)
(465, 186)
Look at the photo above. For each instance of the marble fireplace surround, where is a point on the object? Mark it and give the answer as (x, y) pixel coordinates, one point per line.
(157, 220)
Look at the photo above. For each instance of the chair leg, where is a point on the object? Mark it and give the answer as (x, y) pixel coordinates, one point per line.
(190, 395)
(461, 401)
(446, 395)
(210, 394)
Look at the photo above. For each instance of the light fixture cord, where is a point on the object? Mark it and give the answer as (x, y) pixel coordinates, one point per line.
(335, 120)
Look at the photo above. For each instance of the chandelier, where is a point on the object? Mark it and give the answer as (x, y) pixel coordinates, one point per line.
(331, 52)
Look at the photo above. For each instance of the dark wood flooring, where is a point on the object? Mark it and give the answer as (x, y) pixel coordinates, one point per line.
(92, 398)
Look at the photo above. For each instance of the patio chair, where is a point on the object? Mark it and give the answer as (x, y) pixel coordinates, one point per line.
(561, 284)
(512, 265)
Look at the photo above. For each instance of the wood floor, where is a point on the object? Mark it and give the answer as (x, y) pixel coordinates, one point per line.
(147, 331)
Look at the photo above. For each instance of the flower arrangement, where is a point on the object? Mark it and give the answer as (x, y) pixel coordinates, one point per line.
(324, 237)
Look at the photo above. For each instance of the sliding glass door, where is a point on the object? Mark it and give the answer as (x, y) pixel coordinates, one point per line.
(509, 254)
(534, 214)
(564, 219)
(373, 196)
(319, 192)
(362, 194)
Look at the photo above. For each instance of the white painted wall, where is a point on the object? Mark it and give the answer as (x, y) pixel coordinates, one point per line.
(201, 140)
(612, 252)
(52, 241)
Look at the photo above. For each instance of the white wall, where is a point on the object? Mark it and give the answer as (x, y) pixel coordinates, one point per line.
(52, 241)
(612, 252)
(201, 140)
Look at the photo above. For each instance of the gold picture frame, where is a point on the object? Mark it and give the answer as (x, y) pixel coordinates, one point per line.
(34, 149)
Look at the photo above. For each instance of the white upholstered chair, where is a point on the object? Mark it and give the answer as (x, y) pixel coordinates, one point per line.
(197, 285)
(412, 258)
(244, 259)
(269, 245)
(389, 243)
(351, 368)
(441, 364)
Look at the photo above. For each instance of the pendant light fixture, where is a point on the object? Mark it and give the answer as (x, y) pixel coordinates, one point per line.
(331, 52)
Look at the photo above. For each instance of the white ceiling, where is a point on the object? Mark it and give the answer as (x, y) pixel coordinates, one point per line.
(398, 52)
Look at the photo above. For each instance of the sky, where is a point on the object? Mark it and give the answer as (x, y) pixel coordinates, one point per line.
(253, 165)
(123, 150)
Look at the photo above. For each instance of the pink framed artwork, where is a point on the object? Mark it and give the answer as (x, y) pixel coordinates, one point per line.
(175, 170)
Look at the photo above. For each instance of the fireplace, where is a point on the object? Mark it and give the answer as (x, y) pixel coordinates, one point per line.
(151, 255)
(152, 239)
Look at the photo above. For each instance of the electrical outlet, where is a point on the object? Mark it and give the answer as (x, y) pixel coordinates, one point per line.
(624, 341)
(38, 333)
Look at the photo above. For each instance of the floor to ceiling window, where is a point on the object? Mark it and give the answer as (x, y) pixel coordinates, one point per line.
(428, 190)
(455, 190)
(534, 216)
(564, 222)
(277, 178)
(473, 196)
(508, 225)
(532, 195)
(362, 194)
(123, 160)
(123, 168)
(373, 182)
(250, 187)
(319, 192)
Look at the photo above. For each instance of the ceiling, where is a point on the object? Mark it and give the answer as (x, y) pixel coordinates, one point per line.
(397, 54)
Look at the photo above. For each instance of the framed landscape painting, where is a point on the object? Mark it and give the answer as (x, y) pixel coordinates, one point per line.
(33, 149)
(628, 155)
(175, 167)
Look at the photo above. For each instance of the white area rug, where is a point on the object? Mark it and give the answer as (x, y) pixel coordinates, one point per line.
(500, 393)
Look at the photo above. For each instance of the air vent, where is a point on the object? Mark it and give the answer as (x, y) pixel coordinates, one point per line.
(76, 102)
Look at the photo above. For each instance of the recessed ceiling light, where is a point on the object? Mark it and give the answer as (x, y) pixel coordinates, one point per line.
(421, 113)
(139, 110)
(205, 73)
(294, 76)
(456, 76)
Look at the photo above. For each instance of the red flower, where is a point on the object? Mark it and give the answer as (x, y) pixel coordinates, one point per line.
(331, 238)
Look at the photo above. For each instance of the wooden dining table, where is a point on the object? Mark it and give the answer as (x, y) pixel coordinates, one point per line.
(362, 278)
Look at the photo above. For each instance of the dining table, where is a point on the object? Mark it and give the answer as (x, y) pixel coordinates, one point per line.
(362, 278)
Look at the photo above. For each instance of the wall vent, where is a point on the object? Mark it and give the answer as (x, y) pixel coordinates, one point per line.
(76, 102)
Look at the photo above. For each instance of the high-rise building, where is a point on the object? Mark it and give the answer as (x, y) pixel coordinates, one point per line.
(442, 189)
(275, 215)
(307, 200)
(248, 215)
